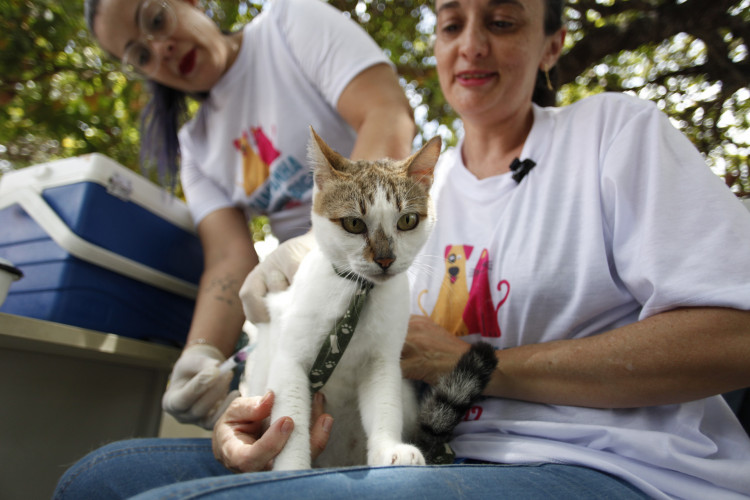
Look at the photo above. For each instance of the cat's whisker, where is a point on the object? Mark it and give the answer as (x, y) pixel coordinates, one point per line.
(421, 269)
(411, 188)
(429, 262)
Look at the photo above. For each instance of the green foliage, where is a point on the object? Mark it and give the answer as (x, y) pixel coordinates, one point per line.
(61, 96)
(689, 56)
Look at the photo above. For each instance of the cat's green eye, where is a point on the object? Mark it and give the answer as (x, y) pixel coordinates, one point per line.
(353, 225)
(408, 222)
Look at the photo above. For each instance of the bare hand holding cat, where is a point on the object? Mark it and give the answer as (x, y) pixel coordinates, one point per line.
(429, 351)
(240, 443)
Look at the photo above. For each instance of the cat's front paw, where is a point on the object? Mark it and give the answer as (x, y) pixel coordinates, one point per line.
(291, 460)
(399, 454)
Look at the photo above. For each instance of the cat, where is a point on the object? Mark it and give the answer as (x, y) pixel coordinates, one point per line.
(369, 220)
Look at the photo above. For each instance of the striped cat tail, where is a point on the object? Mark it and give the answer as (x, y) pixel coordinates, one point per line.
(446, 403)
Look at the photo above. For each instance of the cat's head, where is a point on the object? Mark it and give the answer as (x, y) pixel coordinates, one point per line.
(371, 218)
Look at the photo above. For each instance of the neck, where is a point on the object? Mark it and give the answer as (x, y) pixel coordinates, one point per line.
(233, 43)
(489, 150)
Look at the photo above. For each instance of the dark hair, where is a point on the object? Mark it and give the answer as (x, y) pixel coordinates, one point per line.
(90, 7)
(161, 119)
(553, 21)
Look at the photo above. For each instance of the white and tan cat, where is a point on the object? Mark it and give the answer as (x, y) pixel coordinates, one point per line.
(370, 220)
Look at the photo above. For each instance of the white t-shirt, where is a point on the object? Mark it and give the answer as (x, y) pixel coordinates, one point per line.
(619, 220)
(247, 145)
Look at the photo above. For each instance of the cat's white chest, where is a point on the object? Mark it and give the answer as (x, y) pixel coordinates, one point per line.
(365, 383)
(318, 300)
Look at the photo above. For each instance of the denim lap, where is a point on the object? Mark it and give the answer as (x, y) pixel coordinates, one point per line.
(187, 469)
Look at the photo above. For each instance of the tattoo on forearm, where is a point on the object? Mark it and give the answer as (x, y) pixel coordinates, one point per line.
(224, 289)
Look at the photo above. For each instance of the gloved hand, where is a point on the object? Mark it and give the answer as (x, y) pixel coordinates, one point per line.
(274, 274)
(197, 393)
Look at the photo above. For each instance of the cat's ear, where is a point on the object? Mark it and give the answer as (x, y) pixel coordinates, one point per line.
(420, 165)
(325, 161)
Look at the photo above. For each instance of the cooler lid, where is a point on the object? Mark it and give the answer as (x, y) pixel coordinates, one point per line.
(119, 181)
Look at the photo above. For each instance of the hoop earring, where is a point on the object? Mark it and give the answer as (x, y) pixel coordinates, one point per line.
(549, 83)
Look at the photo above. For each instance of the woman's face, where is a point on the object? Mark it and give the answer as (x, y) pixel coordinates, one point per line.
(192, 58)
(488, 53)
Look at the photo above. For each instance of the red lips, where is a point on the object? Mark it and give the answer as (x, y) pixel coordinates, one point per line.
(475, 78)
(187, 63)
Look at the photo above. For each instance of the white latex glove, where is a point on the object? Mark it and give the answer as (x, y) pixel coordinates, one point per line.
(274, 274)
(197, 393)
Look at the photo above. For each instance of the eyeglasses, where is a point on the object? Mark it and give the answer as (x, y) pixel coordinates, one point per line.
(157, 21)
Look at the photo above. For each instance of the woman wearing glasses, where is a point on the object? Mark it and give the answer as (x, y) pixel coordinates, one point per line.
(299, 63)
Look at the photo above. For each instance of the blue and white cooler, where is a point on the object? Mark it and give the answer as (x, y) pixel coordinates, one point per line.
(100, 247)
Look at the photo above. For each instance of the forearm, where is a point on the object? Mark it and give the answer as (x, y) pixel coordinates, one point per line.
(229, 256)
(375, 106)
(387, 132)
(672, 357)
(218, 315)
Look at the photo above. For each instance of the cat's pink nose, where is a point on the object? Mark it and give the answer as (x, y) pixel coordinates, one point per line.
(385, 262)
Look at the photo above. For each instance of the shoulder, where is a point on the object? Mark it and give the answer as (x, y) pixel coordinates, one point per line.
(608, 106)
(614, 101)
(608, 117)
(194, 130)
(295, 13)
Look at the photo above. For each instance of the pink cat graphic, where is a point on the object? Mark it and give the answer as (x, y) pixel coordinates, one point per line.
(480, 314)
(266, 150)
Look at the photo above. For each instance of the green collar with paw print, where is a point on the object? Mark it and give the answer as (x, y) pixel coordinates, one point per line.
(340, 335)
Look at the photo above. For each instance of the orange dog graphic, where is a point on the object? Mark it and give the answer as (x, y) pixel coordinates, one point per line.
(454, 292)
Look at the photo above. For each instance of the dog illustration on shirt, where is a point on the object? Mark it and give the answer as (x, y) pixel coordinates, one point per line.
(454, 291)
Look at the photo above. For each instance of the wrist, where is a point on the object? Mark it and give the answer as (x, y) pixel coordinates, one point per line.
(205, 348)
(199, 341)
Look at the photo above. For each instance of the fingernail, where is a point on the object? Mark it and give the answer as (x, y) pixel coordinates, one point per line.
(260, 402)
(319, 398)
(286, 426)
(327, 424)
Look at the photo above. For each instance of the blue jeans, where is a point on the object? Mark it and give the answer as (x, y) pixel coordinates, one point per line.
(186, 468)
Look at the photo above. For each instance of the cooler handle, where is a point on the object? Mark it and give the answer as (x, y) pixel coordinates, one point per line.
(56, 228)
